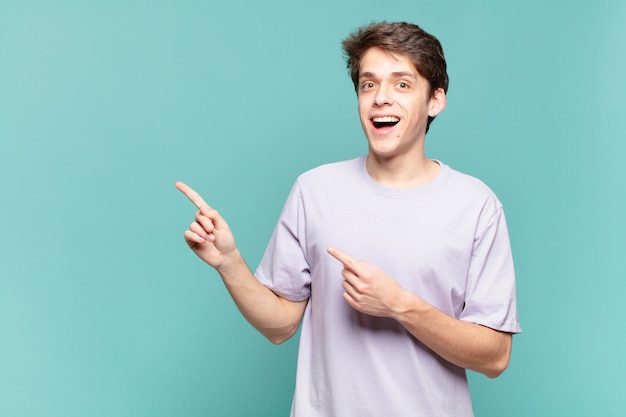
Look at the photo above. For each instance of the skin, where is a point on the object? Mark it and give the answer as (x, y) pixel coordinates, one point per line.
(212, 240)
(389, 86)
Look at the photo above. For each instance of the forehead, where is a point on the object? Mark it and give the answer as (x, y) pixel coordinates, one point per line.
(380, 62)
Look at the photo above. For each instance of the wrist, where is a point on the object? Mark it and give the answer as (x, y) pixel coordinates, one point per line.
(230, 263)
(408, 306)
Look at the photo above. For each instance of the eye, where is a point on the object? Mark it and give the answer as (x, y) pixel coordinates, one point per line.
(403, 85)
(367, 85)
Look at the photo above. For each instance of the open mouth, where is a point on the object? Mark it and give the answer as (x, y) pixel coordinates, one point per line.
(385, 121)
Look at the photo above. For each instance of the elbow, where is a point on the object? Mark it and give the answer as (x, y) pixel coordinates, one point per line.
(501, 358)
(496, 368)
(498, 365)
(279, 337)
(282, 328)
(277, 340)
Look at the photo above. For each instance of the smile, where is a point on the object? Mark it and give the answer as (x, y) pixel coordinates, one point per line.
(384, 121)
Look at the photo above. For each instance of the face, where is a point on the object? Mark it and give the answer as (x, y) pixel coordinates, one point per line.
(394, 104)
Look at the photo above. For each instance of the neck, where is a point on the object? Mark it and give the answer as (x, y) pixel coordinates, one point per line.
(405, 173)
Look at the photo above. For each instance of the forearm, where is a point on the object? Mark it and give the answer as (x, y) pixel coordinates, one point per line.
(464, 344)
(275, 317)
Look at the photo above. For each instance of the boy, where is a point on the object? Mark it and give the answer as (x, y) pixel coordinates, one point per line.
(435, 295)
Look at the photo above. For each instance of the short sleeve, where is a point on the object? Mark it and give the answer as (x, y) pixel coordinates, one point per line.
(284, 268)
(490, 297)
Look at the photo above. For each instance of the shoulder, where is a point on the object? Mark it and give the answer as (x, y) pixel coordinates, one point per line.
(331, 173)
(469, 188)
(468, 181)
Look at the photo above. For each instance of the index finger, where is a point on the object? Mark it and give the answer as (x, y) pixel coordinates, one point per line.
(348, 261)
(192, 195)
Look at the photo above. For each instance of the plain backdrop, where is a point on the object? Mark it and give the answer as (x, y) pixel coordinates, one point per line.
(105, 104)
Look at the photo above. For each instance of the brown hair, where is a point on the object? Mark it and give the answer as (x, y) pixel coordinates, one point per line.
(422, 48)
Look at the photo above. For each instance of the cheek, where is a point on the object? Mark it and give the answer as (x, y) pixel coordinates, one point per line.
(363, 113)
(361, 105)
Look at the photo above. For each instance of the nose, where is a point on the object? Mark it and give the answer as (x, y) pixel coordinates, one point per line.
(382, 96)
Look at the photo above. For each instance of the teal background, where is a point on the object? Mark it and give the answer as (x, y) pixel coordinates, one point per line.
(105, 104)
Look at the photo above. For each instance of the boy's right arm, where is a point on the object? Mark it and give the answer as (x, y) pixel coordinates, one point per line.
(212, 240)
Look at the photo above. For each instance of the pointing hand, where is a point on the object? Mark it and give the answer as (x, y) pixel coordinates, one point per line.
(209, 235)
(368, 289)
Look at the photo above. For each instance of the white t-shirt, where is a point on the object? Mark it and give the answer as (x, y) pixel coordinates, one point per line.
(446, 241)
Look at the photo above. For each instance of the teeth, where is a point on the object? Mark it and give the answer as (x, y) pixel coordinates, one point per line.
(386, 119)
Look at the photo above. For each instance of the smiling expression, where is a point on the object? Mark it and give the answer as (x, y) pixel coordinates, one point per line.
(394, 104)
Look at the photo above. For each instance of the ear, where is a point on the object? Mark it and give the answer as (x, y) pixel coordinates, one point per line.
(437, 102)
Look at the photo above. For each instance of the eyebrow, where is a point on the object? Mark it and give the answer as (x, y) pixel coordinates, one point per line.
(396, 74)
